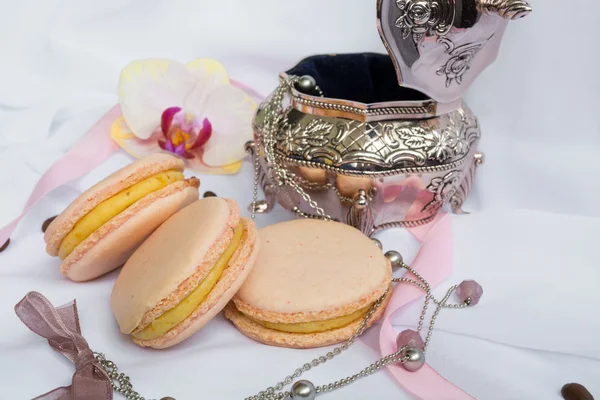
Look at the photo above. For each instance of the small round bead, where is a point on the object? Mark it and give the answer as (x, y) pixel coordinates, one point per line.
(303, 390)
(395, 258)
(410, 339)
(416, 359)
(167, 398)
(306, 84)
(378, 243)
(469, 292)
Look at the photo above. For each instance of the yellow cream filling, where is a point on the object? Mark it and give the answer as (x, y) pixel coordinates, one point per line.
(186, 307)
(112, 207)
(316, 326)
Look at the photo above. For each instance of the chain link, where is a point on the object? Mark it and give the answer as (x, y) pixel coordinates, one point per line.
(276, 117)
(274, 392)
(121, 383)
(118, 380)
(269, 393)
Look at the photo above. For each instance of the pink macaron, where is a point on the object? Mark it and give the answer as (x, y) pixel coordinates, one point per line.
(101, 228)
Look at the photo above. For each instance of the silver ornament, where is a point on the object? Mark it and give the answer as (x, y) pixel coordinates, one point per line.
(260, 207)
(378, 243)
(303, 390)
(306, 84)
(360, 200)
(395, 258)
(416, 359)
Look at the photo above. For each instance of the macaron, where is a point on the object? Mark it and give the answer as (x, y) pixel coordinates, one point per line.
(185, 273)
(100, 229)
(312, 285)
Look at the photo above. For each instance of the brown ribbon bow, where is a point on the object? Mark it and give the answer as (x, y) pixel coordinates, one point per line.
(61, 327)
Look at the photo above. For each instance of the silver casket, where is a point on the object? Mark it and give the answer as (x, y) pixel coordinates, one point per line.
(382, 140)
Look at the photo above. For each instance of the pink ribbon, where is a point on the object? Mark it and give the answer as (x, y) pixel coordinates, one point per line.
(88, 153)
(249, 91)
(61, 327)
(434, 263)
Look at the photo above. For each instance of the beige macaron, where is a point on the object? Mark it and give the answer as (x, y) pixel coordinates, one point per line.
(312, 285)
(103, 226)
(185, 273)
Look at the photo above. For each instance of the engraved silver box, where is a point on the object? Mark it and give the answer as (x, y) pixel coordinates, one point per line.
(377, 140)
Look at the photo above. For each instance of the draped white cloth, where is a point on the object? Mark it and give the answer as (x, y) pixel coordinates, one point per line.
(530, 240)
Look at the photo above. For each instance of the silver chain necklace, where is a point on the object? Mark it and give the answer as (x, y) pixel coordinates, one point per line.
(411, 358)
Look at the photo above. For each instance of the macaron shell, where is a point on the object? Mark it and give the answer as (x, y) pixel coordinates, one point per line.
(111, 245)
(312, 270)
(298, 340)
(111, 185)
(230, 282)
(172, 261)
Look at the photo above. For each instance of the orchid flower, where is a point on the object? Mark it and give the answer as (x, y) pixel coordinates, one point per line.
(190, 110)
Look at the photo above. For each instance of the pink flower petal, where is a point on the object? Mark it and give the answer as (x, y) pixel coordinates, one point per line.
(204, 134)
(167, 119)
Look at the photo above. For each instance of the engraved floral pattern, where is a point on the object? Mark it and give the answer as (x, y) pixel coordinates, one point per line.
(414, 18)
(442, 188)
(439, 145)
(460, 60)
(380, 144)
(296, 138)
(424, 18)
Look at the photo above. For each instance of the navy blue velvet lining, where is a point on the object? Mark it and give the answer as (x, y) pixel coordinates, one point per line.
(364, 77)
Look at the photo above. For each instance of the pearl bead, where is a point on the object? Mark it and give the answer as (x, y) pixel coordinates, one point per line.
(416, 359)
(306, 84)
(303, 390)
(377, 243)
(395, 258)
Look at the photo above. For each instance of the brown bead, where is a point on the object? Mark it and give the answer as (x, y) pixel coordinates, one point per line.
(575, 391)
(5, 245)
(47, 223)
(210, 194)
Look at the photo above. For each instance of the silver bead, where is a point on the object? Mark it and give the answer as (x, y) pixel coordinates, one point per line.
(303, 390)
(378, 243)
(479, 158)
(395, 258)
(415, 361)
(306, 84)
(249, 146)
(261, 207)
(360, 200)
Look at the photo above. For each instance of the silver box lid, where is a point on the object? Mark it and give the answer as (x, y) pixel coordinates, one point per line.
(439, 47)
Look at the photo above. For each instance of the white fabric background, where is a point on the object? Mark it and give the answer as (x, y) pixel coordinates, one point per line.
(531, 240)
